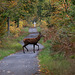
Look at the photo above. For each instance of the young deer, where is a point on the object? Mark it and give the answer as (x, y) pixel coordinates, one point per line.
(33, 41)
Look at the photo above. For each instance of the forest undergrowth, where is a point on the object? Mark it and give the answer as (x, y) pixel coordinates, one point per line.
(53, 60)
(10, 44)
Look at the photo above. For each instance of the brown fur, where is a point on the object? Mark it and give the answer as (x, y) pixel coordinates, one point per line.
(33, 41)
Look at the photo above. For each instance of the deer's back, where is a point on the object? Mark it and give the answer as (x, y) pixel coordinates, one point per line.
(32, 40)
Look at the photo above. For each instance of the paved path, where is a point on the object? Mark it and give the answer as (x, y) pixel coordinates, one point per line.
(22, 64)
(32, 30)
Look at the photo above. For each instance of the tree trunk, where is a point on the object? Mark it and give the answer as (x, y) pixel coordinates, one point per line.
(8, 26)
(18, 23)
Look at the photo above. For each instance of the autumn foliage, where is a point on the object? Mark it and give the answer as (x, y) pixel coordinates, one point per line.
(61, 28)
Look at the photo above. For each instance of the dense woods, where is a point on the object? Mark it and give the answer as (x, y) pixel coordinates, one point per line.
(55, 17)
(61, 25)
(14, 11)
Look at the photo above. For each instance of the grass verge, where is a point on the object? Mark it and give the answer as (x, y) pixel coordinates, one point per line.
(38, 29)
(56, 64)
(11, 44)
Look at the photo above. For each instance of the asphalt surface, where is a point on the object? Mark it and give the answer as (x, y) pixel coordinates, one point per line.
(20, 63)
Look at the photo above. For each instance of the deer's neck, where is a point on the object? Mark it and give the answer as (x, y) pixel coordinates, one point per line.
(38, 38)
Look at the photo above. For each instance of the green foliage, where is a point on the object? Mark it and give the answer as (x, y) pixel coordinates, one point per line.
(72, 12)
(41, 0)
(11, 44)
(19, 9)
(38, 29)
(55, 64)
(72, 56)
(61, 29)
(73, 2)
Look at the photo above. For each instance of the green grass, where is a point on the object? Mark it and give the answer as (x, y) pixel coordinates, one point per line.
(52, 65)
(11, 44)
(38, 29)
(25, 29)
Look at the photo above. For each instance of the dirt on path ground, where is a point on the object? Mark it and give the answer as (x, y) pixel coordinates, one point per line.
(20, 63)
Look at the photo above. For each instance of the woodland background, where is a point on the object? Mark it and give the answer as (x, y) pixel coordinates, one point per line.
(55, 19)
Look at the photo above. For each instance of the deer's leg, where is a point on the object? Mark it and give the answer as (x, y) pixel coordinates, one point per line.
(34, 48)
(25, 47)
(38, 46)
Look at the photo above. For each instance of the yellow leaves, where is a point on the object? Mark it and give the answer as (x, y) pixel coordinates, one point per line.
(2, 27)
(54, 19)
(14, 30)
(12, 23)
(53, 1)
(24, 5)
(17, 35)
(46, 71)
(44, 24)
(25, 23)
(27, 11)
(29, 1)
(1, 43)
(12, 4)
(39, 70)
(20, 24)
(57, 16)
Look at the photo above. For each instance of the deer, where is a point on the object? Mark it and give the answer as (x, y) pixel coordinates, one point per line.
(33, 41)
